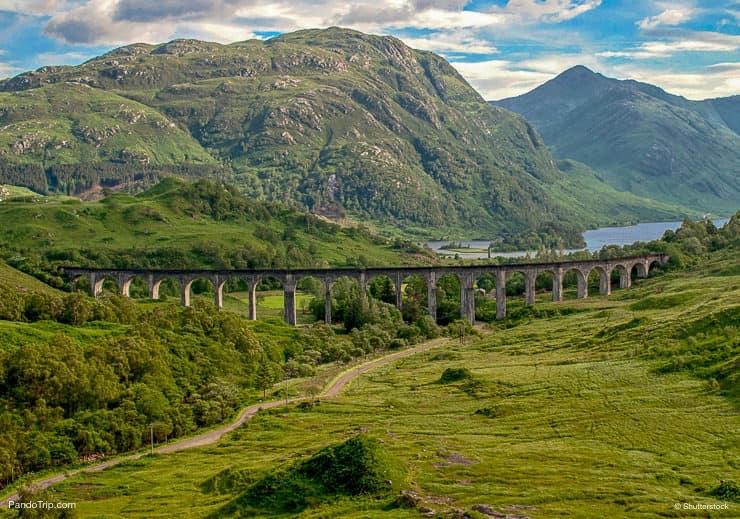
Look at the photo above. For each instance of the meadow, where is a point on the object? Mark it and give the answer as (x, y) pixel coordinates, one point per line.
(619, 407)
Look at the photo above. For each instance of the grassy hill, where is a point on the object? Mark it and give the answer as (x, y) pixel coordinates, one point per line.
(21, 281)
(640, 138)
(624, 405)
(179, 225)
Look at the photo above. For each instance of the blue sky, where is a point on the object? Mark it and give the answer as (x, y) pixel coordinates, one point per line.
(502, 47)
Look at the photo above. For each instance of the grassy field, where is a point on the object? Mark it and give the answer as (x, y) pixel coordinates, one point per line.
(568, 416)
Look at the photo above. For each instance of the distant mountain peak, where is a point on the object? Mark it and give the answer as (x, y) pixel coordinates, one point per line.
(578, 77)
(578, 70)
(640, 137)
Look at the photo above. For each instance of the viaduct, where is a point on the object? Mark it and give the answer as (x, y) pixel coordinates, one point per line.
(468, 275)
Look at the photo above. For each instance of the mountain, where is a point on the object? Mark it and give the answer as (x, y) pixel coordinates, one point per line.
(641, 138)
(334, 121)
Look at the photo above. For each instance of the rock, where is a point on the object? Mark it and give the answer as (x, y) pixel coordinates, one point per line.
(408, 499)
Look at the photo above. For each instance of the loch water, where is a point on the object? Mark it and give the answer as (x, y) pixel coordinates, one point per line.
(595, 239)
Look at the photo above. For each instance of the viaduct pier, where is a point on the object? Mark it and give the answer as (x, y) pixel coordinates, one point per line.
(467, 275)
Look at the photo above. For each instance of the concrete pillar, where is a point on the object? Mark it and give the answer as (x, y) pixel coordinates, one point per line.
(645, 269)
(467, 297)
(95, 285)
(185, 291)
(582, 284)
(252, 299)
(122, 284)
(154, 287)
(625, 278)
(399, 291)
(500, 294)
(219, 297)
(328, 283)
(432, 295)
(289, 300)
(126, 287)
(605, 282)
(529, 286)
(557, 285)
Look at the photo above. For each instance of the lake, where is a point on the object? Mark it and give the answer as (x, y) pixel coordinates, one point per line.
(595, 239)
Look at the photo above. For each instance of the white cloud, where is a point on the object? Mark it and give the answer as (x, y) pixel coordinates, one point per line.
(63, 58)
(718, 80)
(548, 11)
(441, 19)
(690, 42)
(97, 22)
(8, 70)
(452, 42)
(218, 32)
(668, 17)
(34, 7)
(728, 65)
(498, 79)
(92, 24)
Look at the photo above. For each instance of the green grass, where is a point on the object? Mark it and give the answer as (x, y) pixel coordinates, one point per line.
(15, 334)
(8, 191)
(166, 228)
(17, 279)
(572, 415)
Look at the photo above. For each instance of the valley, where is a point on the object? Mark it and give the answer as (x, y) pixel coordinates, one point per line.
(614, 420)
(221, 293)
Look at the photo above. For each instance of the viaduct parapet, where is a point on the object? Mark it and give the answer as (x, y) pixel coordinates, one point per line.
(467, 275)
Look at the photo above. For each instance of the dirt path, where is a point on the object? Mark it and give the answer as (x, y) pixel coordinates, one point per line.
(207, 438)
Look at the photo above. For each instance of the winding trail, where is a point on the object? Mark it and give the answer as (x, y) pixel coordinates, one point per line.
(332, 390)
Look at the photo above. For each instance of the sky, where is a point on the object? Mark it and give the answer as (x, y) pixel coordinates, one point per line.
(502, 47)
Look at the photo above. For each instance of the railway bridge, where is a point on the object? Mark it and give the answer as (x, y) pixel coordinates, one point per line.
(467, 275)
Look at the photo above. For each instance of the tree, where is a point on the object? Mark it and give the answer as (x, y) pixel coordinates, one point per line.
(267, 374)
(382, 288)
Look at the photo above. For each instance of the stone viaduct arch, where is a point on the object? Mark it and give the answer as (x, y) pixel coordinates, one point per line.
(466, 274)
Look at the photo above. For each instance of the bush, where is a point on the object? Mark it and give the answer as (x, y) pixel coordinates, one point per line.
(455, 375)
(727, 490)
(359, 466)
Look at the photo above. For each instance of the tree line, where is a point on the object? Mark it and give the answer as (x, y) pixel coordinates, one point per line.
(73, 179)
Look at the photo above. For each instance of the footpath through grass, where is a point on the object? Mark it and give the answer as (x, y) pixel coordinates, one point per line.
(580, 415)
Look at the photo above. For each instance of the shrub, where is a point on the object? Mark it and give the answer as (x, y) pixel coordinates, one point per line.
(455, 375)
(359, 466)
(727, 490)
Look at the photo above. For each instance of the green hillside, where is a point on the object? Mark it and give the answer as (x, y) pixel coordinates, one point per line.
(332, 120)
(71, 123)
(14, 279)
(594, 200)
(179, 225)
(640, 138)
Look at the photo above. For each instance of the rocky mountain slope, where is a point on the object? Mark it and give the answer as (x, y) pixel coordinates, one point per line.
(333, 120)
(641, 138)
